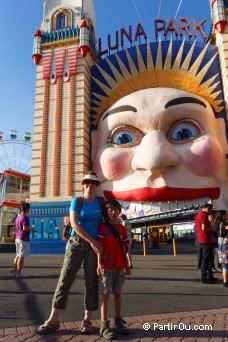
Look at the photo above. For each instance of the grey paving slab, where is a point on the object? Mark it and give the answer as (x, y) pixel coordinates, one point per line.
(163, 292)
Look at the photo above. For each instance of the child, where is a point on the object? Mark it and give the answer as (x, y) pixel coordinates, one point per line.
(110, 269)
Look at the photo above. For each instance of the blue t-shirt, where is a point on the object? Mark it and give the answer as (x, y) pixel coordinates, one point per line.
(89, 216)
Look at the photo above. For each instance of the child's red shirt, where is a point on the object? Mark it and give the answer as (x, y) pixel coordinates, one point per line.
(112, 256)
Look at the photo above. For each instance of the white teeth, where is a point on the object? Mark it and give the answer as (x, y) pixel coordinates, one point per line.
(188, 204)
(173, 205)
(195, 203)
(132, 206)
(181, 205)
(164, 206)
(203, 200)
(121, 203)
(125, 205)
(156, 207)
(146, 207)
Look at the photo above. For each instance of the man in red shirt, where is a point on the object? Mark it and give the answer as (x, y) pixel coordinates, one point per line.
(204, 236)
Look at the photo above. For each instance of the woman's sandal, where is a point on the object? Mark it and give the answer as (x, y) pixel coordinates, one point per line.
(47, 328)
(86, 326)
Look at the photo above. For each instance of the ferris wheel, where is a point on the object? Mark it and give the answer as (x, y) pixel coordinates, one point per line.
(16, 151)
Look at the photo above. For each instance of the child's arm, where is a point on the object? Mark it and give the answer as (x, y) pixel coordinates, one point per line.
(127, 267)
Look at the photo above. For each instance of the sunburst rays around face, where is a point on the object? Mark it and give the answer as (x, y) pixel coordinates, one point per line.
(187, 66)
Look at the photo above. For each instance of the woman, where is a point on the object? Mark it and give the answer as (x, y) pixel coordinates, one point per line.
(82, 245)
(221, 224)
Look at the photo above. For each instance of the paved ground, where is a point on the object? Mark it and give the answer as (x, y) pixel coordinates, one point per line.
(163, 300)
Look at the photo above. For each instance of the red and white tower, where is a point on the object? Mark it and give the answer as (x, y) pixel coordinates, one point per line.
(64, 51)
(219, 10)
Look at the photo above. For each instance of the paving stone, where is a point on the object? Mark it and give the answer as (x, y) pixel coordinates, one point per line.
(70, 330)
(23, 330)
(33, 328)
(10, 331)
(71, 325)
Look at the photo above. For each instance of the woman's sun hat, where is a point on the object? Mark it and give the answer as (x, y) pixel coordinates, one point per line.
(90, 176)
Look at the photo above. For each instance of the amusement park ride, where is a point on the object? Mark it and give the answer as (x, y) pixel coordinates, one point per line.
(16, 151)
(82, 83)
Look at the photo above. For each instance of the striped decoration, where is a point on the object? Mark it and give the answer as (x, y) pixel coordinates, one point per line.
(44, 139)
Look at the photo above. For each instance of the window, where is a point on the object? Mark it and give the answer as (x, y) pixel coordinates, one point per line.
(61, 21)
(7, 224)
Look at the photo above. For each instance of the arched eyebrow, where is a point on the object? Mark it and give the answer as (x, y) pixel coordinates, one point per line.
(183, 100)
(120, 109)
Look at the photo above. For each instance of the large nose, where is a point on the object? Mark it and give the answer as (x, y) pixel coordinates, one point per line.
(154, 154)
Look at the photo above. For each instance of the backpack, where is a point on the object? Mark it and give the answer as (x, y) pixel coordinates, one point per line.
(68, 228)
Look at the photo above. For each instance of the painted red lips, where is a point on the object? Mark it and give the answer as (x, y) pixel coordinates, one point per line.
(164, 193)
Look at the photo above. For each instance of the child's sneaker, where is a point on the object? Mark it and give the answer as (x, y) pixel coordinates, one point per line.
(120, 327)
(106, 331)
(20, 276)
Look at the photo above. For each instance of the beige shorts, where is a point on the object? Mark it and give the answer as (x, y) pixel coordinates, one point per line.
(22, 248)
(111, 281)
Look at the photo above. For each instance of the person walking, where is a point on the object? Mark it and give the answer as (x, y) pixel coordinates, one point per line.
(199, 250)
(204, 235)
(221, 224)
(81, 246)
(22, 241)
(216, 264)
(111, 264)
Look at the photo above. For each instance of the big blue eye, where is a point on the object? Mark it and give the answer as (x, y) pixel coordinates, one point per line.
(124, 137)
(127, 137)
(183, 130)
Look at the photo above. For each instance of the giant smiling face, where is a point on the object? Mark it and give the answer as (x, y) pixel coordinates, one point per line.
(161, 149)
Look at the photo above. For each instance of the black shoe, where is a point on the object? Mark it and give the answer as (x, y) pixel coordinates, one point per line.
(225, 284)
(107, 332)
(213, 279)
(120, 327)
(208, 281)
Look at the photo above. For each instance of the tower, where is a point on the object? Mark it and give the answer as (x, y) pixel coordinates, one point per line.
(219, 11)
(64, 49)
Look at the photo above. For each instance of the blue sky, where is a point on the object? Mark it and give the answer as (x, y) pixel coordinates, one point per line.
(20, 20)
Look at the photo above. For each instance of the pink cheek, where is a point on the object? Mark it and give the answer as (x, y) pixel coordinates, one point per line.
(203, 159)
(114, 164)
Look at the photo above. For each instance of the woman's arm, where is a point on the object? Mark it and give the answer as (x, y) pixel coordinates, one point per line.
(83, 233)
(99, 266)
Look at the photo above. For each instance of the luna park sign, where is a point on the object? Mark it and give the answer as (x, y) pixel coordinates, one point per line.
(181, 27)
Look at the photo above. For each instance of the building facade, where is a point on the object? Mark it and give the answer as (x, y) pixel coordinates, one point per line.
(74, 89)
(14, 190)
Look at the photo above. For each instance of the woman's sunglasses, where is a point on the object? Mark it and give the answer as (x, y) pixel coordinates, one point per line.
(89, 181)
